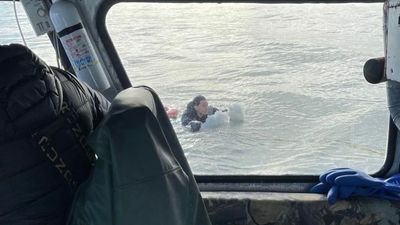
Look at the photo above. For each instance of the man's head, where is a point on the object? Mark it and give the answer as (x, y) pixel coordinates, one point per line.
(200, 104)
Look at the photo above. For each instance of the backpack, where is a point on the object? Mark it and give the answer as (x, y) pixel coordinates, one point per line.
(45, 116)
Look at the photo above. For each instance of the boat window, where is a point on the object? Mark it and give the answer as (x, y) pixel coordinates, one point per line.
(10, 34)
(294, 71)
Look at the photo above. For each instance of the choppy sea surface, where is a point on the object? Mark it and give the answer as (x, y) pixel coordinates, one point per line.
(295, 71)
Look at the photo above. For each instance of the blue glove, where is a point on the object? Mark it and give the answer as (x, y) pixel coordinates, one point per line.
(358, 178)
(328, 181)
(393, 183)
(341, 183)
(350, 177)
(347, 177)
(329, 176)
(344, 192)
(346, 189)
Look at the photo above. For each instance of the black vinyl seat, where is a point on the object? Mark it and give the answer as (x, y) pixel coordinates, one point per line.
(141, 174)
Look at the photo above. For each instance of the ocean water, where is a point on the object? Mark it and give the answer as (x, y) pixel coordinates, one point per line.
(294, 71)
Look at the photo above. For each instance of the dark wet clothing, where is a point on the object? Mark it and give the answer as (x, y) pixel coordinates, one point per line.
(32, 189)
(190, 115)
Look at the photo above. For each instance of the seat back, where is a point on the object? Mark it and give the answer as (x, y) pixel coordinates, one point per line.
(141, 175)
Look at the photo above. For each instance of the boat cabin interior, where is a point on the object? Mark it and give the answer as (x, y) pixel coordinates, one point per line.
(127, 39)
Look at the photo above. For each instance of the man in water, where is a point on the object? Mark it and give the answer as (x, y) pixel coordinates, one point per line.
(196, 112)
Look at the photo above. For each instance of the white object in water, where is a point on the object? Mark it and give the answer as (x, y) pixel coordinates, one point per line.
(216, 120)
(75, 40)
(236, 113)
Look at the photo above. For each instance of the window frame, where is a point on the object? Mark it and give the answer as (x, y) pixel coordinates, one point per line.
(242, 182)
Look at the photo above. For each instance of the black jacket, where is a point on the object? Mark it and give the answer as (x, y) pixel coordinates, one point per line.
(35, 137)
(190, 115)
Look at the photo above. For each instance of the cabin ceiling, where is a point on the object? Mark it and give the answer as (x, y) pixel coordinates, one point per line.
(245, 1)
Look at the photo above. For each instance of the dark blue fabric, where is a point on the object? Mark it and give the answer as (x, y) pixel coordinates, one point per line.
(32, 191)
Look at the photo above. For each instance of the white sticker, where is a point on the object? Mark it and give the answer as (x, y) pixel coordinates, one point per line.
(38, 15)
(76, 44)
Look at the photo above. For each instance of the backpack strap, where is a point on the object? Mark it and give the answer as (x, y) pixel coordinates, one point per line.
(71, 117)
(44, 138)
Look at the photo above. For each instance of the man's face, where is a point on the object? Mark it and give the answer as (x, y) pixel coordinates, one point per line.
(202, 108)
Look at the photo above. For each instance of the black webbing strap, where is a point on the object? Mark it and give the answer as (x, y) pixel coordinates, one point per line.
(71, 118)
(68, 119)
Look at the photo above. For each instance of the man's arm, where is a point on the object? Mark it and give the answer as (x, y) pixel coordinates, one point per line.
(186, 118)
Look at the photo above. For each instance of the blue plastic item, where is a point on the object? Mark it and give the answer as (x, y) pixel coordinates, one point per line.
(327, 180)
(342, 183)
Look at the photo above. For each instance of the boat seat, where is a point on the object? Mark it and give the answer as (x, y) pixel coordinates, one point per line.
(141, 174)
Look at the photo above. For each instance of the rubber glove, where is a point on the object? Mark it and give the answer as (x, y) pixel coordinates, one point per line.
(341, 183)
(326, 181)
(334, 191)
(361, 179)
(344, 192)
(392, 183)
(350, 177)
(329, 176)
